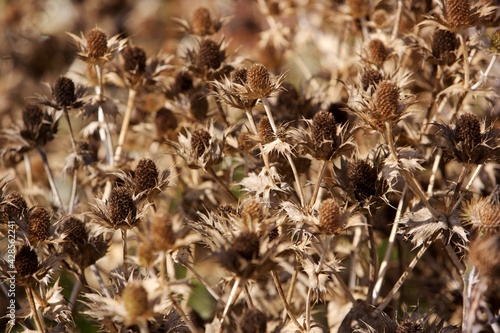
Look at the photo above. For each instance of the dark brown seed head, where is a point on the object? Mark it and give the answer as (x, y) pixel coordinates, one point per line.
(32, 117)
(226, 210)
(145, 176)
(183, 82)
(15, 206)
(273, 234)
(200, 140)
(246, 245)
(266, 133)
(202, 21)
(330, 220)
(495, 42)
(64, 91)
(259, 80)
(410, 325)
(254, 321)
(162, 233)
(363, 179)
(26, 261)
(380, 18)
(209, 56)
(76, 233)
(135, 300)
(199, 105)
(39, 224)
(386, 100)
(134, 60)
(97, 43)
(484, 215)
(239, 76)
(378, 52)
(468, 129)
(121, 206)
(371, 77)
(484, 255)
(165, 120)
(324, 134)
(443, 43)
(457, 12)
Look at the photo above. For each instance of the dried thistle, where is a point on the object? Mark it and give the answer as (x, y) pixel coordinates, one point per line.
(39, 224)
(377, 51)
(96, 48)
(444, 43)
(145, 176)
(330, 217)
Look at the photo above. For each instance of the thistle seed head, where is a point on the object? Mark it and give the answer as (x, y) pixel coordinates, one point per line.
(64, 92)
(443, 43)
(246, 245)
(483, 215)
(32, 117)
(457, 12)
(386, 100)
(226, 210)
(200, 140)
(259, 79)
(135, 300)
(209, 56)
(246, 142)
(330, 218)
(253, 211)
(371, 77)
(254, 321)
(266, 134)
(199, 105)
(121, 206)
(75, 230)
(380, 18)
(410, 325)
(495, 42)
(97, 43)
(273, 234)
(378, 52)
(358, 8)
(183, 82)
(134, 60)
(468, 129)
(363, 179)
(324, 134)
(239, 76)
(15, 206)
(145, 176)
(39, 224)
(162, 233)
(26, 261)
(483, 252)
(165, 120)
(202, 21)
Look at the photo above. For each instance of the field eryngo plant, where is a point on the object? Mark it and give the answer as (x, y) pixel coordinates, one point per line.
(259, 166)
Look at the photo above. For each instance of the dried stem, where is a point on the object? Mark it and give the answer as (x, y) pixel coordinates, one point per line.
(221, 183)
(132, 93)
(40, 325)
(125, 263)
(284, 301)
(469, 184)
(297, 179)
(50, 176)
(317, 186)
(235, 292)
(101, 283)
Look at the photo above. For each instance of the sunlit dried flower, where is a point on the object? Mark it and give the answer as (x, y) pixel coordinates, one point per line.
(145, 176)
(134, 63)
(467, 141)
(202, 23)
(444, 43)
(209, 60)
(39, 224)
(230, 91)
(97, 48)
(377, 51)
(371, 77)
(495, 42)
(39, 126)
(210, 55)
(457, 12)
(14, 206)
(330, 218)
(266, 133)
(484, 214)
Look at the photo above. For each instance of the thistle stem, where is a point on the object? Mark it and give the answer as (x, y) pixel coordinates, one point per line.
(466, 61)
(104, 289)
(50, 176)
(297, 179)
(384, 265)
(132, 93)
(202, 281)
(317, 186)
(269, 114)
(404, 276)
(469, 184)
(308, 309)
(221, 183)
(125, 264)
(395, 29)
(291, 288)
(29, 173)
(484, 76)
(373, 262)
(435, 166)
(283, 299)
(71, 134)
(251, 121)
(181, 313)
(235, 292)
(40, 325)
(72, 198)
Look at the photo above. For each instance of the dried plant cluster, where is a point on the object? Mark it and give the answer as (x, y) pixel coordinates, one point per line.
(269, 166)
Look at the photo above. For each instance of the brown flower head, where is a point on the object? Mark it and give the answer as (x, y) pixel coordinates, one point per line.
(371, 77)
(484, 214)
(202, 21)
(200, 141)
(165, 121)
(210, 55)
(64, 92)
(39, 224)
(495, 42)
(135, 300)
(162, 233)
(324, 134)
(363, 178)
(377, 51)
(466, 141)
(39, 126)
(122, 207)
(254, 321)
(482, 255)
(26, 261)
(266, 133)
(134, 63)
(145, 176)
(444, 43)
(457, 12)
(96, 48)
(239, 75)
(246, 245)
(386, 100)
(330, 217)
(199, 106)
(15, 206)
